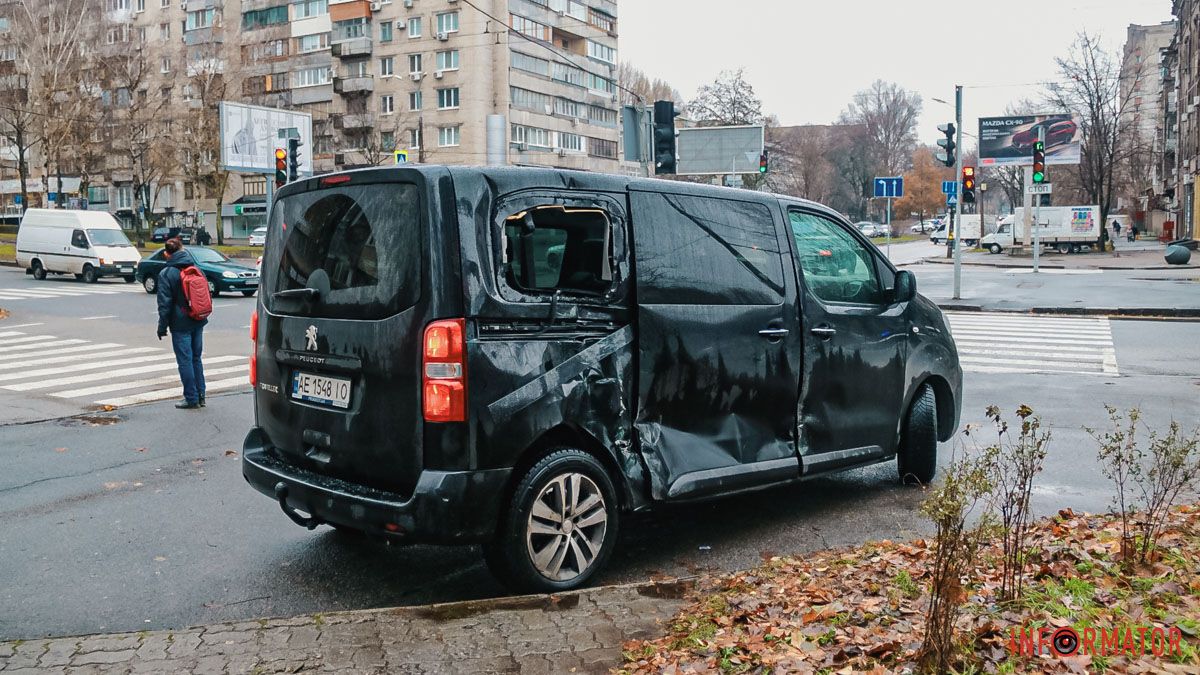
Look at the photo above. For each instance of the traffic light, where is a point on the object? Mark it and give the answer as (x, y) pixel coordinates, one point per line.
(946, 155)
(664, 137)
(764, 162)
(1039, 162)
(280, 167)
(293, 156)
(968, 185)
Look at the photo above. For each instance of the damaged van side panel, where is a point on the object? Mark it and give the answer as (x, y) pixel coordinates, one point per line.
(548, 366)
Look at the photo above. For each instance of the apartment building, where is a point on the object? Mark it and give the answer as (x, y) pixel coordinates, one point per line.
(438, 79)
(1141, 85)
(1181, 124)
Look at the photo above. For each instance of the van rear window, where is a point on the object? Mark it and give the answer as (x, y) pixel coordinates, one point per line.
(364, 241)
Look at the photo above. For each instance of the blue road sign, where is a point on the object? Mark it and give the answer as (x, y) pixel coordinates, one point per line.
(951, 200)
(889, 186)
(949, 187)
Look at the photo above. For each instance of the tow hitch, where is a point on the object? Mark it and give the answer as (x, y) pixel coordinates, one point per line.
(311, 522)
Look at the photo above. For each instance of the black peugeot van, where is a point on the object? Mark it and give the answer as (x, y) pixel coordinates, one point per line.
(517, 357)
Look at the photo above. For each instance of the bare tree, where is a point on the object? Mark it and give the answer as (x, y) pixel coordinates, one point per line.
(889, 114)
(639, 88)
(729, 100)
(800, 163)
(856, 169)
(1090, 85)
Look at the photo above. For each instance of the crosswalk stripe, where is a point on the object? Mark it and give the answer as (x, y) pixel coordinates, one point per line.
(25, 338)
(175, 392)
(94, 377)
(1029, 319)
(10, 333)
(141, 384)
(43, 341)
(1031, 362)
(57, 291)
(1018, 343)
(1034, 339)
(87, 365)
(41, 360)
(63, 350)
(1027, 371)
(1010, 346)
(1082, 354)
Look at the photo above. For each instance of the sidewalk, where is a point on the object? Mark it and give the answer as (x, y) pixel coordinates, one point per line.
(1139, 255)
(580, 632)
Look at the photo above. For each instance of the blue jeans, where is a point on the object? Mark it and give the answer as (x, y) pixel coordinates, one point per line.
(188, 346)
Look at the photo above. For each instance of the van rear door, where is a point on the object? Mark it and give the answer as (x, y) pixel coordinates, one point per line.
(345, 298)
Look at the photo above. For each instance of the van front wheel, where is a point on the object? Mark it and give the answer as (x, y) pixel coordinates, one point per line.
(560, 527)
(89, 274)
(917, 459)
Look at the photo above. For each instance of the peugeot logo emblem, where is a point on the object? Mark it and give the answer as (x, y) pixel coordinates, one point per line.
(311, 336)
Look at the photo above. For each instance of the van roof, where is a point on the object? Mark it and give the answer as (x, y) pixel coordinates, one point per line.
(70, 218)
(508, 179)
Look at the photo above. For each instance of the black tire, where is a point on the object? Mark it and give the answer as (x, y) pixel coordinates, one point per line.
(511, 557)
(39, 272)
(212, 288)
(248, 294)
(150, 284)
(995, 249)
(89, 275)
(130, 279)
(1064, 248)
(917, 459)
(1076, 248)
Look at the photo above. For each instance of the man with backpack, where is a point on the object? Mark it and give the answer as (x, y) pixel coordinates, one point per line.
(184, 304)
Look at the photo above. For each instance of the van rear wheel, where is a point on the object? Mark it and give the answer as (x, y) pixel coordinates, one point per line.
(559, 528)
(39, 272)
(917, 459)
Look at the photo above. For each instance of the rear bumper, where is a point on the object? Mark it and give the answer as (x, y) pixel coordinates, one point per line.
(446, 507)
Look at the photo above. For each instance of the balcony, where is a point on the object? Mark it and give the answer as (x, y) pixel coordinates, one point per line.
(351, 48)
(352, 122)
(363, 85)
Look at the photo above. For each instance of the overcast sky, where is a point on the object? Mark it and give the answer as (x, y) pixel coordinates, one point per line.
(806, 58)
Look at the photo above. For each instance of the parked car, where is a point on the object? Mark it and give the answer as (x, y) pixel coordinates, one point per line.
(258, 237)
(924, 227)
(88, 244)
(519, 357)
(223, 274)
(870, 229)
(162, 234)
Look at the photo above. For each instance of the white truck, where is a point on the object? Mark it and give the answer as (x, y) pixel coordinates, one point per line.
(1066, 229)
(970, 225)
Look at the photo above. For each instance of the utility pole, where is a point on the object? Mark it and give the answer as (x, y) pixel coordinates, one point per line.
(421, 139)
(958, 203)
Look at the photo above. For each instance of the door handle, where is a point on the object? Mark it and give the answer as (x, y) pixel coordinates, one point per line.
(773, 332)
(824, 332)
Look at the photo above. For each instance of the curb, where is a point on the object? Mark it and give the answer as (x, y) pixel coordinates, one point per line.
(1156, 313)
(1004, 266)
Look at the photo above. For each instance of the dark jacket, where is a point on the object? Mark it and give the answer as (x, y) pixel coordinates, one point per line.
(172, 305)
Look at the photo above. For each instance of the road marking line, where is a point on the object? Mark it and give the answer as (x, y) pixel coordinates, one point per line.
(39, 360)
(42, 372)
(64, 350)
(1021, 347)
(1028, 371)
(1014, 338)
(93, 377)
(4, 344)
(146, 397)
(132, 384)
(1088, 355)
(1029, 362)
(93, 318)
(11, 333)
(1090, 326)
(26, 325)
(38, 345)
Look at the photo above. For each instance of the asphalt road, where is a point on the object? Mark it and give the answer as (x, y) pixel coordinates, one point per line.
(139, 518)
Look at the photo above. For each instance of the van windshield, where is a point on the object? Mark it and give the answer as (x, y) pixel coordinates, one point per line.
(364, 241)
(108, 238)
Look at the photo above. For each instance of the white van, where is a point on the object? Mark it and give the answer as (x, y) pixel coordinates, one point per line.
(88, 244)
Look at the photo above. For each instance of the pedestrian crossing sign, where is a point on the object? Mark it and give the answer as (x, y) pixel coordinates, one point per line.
(401, 156)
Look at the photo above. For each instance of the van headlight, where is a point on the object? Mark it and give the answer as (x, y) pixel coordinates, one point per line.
(229, 275)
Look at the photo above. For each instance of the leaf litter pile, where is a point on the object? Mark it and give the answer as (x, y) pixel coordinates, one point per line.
(863, 609)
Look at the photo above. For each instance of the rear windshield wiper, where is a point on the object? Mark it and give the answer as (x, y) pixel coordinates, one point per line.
(305, 293)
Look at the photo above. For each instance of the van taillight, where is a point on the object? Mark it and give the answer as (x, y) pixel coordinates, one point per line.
(444, 371)
(254, 349)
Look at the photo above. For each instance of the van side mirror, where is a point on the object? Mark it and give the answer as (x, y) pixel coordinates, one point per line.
(906, 287)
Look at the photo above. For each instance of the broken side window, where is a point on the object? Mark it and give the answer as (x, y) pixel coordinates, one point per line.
(557, 248)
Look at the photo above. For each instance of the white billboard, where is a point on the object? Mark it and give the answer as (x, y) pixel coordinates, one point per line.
(710, 151)
(250, 135)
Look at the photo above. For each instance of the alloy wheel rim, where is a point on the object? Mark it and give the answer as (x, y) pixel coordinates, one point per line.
(566, 527)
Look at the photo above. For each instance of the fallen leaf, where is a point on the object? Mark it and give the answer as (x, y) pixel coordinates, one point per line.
(60, 449)
(159, 558)
(139, 449)
(231, 453)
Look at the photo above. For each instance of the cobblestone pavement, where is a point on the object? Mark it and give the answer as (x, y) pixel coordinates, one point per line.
(579, 632)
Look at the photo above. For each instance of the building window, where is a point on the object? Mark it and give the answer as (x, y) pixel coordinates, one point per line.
(350, 29)
(598, 147)
(117, 5)
(117, 34)
(529, 100)
(531, 64)
(387, 104)
(414, 27)
(414, 63)
(124, 196)
(447, 98)
(414, 100)
(387, 140)
(261, 18)
(602, 116)
(530, 28)
(141, 5)
(266, 51)
(142, 34)
(414, 139)
(447, 23)
(97, 195)
(312, 43)
(387, 66)
(165, 66)
(253, 188)
(311, 77)
(203, 18)
(571, 142)
(531, 136)
(597, 83)
(567, 108)
(447, 60)
(448, 137)
(357, 69)
(165, 4)
(309, 8)
(385, 31)
(569, 74)
(164, 31)
(601, 20)
(601, 52)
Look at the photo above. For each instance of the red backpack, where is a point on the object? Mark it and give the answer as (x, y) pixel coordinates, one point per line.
(195, 292)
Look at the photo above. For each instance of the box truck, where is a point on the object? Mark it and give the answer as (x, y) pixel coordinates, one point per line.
(969, 224)
(1066, 229)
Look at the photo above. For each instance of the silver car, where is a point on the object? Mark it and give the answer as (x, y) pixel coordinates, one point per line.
(870, 229)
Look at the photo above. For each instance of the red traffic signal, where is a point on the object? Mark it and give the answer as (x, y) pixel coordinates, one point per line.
(968, 184)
